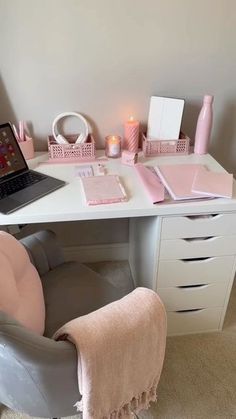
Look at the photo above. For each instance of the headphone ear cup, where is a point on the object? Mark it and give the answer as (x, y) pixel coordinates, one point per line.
(61, 140)
(81, 138)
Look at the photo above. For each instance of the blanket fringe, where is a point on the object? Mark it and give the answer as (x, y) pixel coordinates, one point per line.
(141, 402)
(138, 403)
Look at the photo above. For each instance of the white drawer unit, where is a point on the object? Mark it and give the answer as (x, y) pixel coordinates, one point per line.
(198, 247)
(178, 272)
(194, 321)
(188, 297)
(195, 270)
(198, 226)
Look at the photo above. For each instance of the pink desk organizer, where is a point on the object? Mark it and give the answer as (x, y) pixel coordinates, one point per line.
(166, 148)
(72, 152)
(27, 148)
(129, 157)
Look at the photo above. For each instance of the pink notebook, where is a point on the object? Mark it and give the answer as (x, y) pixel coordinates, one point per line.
(103, 190)
(213, 184)
(178, 180)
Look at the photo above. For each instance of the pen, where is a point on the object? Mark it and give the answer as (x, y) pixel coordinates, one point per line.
(21, 131)
(16, 133)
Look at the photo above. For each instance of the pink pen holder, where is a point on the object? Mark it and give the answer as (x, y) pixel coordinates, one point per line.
(27, 148)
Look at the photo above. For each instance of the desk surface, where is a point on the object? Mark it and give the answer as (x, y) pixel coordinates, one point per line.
(68, 203)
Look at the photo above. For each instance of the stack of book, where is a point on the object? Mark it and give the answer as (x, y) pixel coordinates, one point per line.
(194, 181)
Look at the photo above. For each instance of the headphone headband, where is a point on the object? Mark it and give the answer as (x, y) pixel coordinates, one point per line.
(62, 140)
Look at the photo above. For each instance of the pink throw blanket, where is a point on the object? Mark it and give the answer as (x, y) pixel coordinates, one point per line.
(121, 350)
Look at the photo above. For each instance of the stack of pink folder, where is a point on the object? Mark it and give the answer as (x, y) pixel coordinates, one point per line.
(191, 181)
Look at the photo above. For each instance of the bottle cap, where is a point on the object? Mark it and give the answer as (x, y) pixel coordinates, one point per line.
(208, 99)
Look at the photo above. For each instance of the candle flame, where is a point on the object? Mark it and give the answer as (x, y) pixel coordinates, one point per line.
(131, 118)
(114, 138)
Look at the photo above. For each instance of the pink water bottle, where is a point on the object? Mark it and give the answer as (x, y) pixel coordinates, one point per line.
(204, 125)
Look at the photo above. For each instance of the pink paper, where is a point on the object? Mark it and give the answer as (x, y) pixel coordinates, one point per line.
(213, 183)
(151, 183)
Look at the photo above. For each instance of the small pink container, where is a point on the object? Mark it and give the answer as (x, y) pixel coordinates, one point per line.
(166, 148)
(27, 148)
(72, 152)
(128, 157)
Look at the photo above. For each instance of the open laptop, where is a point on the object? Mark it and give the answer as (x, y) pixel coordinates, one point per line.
(18, 185)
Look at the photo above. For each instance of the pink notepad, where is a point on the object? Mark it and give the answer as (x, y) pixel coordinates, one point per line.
(178, 180)
(103, 190)
(213, 184)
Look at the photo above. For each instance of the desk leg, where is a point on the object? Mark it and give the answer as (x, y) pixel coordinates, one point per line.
(144, 239)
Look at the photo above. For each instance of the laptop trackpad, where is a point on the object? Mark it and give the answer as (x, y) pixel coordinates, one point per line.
(37, 190)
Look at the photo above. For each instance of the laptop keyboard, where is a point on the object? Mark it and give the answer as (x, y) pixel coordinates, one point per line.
(20, 182)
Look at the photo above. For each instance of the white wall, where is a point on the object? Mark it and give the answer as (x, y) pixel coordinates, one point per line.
(106, 58)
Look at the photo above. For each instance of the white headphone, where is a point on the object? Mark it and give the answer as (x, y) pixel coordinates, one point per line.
(62, 140)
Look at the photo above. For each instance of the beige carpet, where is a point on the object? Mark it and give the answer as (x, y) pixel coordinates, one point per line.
(199, 376)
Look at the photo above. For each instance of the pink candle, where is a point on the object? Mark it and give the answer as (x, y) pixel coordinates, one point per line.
(113, 146)
(131, 137)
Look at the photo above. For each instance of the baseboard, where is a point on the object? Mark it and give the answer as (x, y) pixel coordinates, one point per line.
(97, 253)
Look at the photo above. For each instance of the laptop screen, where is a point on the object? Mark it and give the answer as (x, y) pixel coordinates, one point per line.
(11, 158)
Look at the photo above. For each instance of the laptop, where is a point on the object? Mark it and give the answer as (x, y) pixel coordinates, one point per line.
(18, 185)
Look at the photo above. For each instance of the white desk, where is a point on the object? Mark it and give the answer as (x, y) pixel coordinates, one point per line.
(67, 203)
(189, 260)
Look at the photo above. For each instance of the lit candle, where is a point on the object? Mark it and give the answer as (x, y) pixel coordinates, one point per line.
(131, 137)
(113, 146)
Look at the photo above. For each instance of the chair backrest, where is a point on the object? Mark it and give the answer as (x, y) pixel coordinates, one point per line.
(21, 294)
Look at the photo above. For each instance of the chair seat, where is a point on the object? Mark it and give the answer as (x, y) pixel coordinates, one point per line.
(71, 290)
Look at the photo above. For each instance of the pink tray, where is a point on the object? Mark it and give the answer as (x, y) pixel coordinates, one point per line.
(61, 153)
(166, 148)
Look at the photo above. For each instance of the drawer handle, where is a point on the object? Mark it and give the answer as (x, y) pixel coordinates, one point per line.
(197, 239)
(193, 286)
(202, 217)
(192, 310)
(196, 260)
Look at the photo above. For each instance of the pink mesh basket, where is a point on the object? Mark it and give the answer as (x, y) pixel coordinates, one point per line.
(72, 152)
(163, 148)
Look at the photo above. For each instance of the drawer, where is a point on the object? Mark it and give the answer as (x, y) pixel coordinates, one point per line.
(194, 271)
(180, 323)
(198, 226)
(193, 297)
(198, 247)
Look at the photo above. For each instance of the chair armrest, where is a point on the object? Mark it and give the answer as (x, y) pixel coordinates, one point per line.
(38, 375)
(43, 250)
